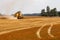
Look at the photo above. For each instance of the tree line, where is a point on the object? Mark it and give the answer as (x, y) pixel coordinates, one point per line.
(50, 13)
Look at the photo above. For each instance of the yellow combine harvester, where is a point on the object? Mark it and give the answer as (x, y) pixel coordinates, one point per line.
(18, 15)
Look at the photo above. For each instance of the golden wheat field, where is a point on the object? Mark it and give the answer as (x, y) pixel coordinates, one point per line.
(30, 28)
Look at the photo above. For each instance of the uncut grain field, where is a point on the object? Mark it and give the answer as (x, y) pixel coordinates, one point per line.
(30, 28)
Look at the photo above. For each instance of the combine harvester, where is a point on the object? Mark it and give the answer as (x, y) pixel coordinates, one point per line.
(17, 15)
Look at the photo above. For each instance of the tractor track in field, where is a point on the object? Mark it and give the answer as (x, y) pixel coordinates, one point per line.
(45, 27)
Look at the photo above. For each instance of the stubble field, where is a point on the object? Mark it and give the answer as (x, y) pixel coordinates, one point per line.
(30, 28)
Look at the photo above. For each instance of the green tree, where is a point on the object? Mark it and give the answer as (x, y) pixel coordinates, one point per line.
(48, 10)
(43, 12)
(55, 12)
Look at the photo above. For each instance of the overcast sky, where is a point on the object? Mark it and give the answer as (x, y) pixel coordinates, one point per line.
(26, 6)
